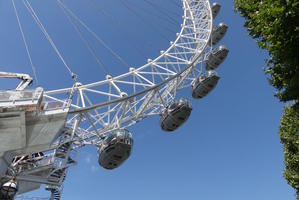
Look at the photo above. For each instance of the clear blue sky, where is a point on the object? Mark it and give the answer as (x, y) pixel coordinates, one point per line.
(229, 149)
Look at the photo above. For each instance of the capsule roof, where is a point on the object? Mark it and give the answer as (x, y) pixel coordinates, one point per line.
(215, 9)
(216, 57)
(218, 33)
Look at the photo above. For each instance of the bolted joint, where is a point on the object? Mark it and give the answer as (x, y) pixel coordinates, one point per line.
(108, 77)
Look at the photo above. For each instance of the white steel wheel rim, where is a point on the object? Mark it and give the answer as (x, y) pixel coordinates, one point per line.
(176, 68)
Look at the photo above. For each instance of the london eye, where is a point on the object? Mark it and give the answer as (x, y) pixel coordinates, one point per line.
(41, 130)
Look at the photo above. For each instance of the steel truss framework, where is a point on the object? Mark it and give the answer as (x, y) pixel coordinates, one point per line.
(125, 99)
(143, 91)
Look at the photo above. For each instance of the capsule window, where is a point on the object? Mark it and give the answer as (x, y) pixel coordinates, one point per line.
(110, 149)
(173, 106)
(117, 157)
(181, 118)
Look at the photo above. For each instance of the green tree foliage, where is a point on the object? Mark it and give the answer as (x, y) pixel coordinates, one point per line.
(289, 135)
(275, 26)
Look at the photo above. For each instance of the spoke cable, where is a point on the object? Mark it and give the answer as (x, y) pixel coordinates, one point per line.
(143, 20)
(165, 14)
(175, 3)
(137, 8)
(94, 34)
(85, 41)
(39, 23)
(25, 42)
(158, 14)
(118, 26)
(172, 11)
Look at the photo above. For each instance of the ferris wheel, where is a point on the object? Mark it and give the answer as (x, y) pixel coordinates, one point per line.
(50, 126)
